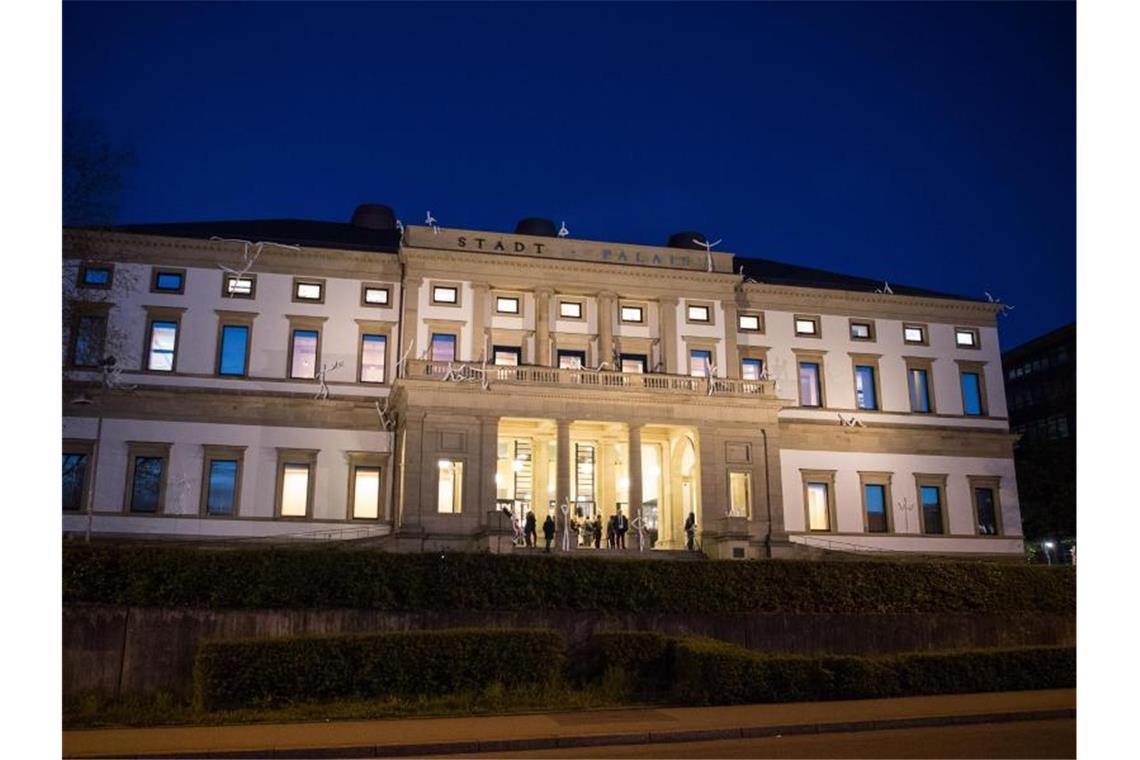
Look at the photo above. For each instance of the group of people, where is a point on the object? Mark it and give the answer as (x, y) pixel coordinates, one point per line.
(590, 530)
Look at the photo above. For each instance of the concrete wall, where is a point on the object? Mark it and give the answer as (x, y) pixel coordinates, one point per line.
(116, 650)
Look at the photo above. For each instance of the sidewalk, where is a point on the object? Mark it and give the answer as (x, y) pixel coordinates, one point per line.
(422, 736)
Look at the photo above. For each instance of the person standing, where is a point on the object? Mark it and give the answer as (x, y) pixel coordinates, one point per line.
(690, 531)
(548, 531)
(598, 531)
(621, 525)
(531, 531)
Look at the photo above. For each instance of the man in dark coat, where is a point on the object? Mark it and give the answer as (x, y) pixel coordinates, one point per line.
(530, 529)
(690, 531)
(621, 525)
(598, 530)
(548, 531)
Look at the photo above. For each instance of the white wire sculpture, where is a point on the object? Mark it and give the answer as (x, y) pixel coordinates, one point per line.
(113, 376)
(249, 254)
(562, 231)
(1004, 308)
(851, 421)
(708, 250)
(638, 523)
(386, 414)
(886, 289)
(565, 509)
(432, 222)
(323, 391)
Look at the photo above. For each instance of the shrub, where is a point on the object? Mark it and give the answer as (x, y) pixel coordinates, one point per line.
(270, 672)
(645, 658)
(714, 672)
(324, 578)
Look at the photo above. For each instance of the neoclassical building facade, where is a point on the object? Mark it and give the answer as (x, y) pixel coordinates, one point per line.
(292, 380)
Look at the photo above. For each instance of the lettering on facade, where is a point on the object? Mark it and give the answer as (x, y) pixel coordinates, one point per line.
(563, 249)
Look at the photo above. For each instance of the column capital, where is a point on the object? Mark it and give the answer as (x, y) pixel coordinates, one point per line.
(670, 300)
(544, 290)
(480, 286)
(608, 295)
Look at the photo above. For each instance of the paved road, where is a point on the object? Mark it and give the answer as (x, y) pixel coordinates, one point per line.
(1036, 739)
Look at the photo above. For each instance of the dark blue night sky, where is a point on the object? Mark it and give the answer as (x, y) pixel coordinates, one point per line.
(928, 144)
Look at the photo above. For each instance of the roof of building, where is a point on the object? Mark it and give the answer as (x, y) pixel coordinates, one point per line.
(1063, 334)
(321, 234)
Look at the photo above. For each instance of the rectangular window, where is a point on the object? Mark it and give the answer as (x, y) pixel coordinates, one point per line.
(373, 349)
(450, 487)
(914, 334)
(570, 309)
(571, 359)
(819, 512)
(303, 355)
(635, 363)
(966, 337)
(748, 322)
(74, 479)
(507, 305)
(96, 276)
(751, 369)
(365, 492)
(700, 362)
(445, 294)
(221, 486)
(234, 350)
(162, 345)
(146, 484)
(309, 290)
(807, 326)
(919, 386)
(239, 286)
(507, 356)
(168, 281)
(862, 330)
(90, 334)
(635, 314)
(972, 394)
(875, 502)
(697, 313)
(443, 347)
(739, 494)
(810, 394)
(375, 295)
(865, 388)
(931, 509)
(295, 489)
(986, 506)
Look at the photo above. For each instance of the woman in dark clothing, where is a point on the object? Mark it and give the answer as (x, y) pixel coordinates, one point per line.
(529, 531)
(597, 531)
(548, 531)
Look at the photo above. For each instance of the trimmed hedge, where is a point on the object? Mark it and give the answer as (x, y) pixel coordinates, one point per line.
(324, 578)
(270, 672)
(645, 656)
(706, 671)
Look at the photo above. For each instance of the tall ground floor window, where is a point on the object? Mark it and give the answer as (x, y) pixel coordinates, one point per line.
(450, 494)
(739, 494)
(819, 499)
(931, 498)
(77, 457)
(221, 487)
(987, 505)
(296, 470)
(875, 501)
(146, 477)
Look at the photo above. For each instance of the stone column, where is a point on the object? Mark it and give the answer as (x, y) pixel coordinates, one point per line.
(542, 326)
(668, 309)
(562, 490)
(480, 292)
(605, 326)
(488, 465)
(634, 469)
(410, 514)
(731, 355)
(409, 331)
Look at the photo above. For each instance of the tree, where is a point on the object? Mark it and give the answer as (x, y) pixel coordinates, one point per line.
(94, 173)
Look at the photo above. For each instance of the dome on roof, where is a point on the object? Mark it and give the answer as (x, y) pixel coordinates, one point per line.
(374, 216)
(537, 226)
(690, 240)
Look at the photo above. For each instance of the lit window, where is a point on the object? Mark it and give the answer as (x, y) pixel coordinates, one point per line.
(571, 359)
(168, 281)
(235, 286)
(442, 347)
(303, 361)
(810, 394)
(748, 322)
(445, 294)
(931, 509)
(914, 334)
(308, 291)
(632, 314)
(634, 363)
(507, 356)
(74, 478)
(450, 487)
(506, 304)
(819, 514)
(366, 492)
(875, 502)
(163, 342)
(861, 331)
(221, 486)
(986, 506)
(234, 350)
(372, 353)
(700, 362)
(751, 369)
(698, 313)
(295, 489)
(739, 494)
(919, 386)
(570, 309)
(972, 394)
(89, 336)
(807, 326)
(374, 295)
(965, 338)
(146, 483)
(865, 388)
(95, 276)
